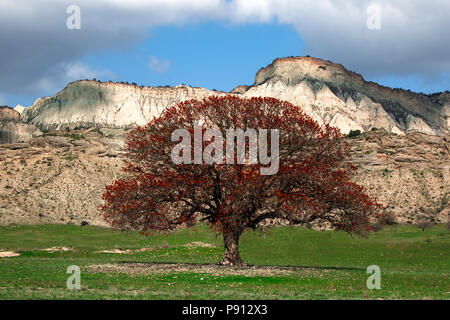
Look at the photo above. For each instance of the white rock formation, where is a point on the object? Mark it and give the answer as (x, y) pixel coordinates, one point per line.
(325, 106)
(378, 106)
(326, 91)
(13, 129)
(107, 104)
(19, 108)
(415, 124)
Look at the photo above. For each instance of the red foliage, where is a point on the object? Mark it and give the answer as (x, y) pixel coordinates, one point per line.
(313, 183)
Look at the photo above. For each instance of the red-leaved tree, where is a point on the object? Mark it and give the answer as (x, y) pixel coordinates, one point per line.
(313, 183)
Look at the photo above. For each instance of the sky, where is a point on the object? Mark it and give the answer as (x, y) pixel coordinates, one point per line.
(216, 44)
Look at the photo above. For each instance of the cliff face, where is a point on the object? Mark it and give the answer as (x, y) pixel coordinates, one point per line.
(326, 91)
(351, 98)
(87, 103)
(13, 129)
(8, 114)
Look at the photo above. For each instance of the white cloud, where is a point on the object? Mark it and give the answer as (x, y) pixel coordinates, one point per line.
(158, 65)
(411, 39)
(35, 41)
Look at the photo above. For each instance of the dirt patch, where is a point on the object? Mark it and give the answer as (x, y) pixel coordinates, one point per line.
(57, 249)
(164, 268)
(125, 251)
(197, 244)
(143, 250)
(6, 254)
(117, 251)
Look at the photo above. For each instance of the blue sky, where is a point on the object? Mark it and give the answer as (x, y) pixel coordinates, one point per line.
(210, 55)
(216, 44)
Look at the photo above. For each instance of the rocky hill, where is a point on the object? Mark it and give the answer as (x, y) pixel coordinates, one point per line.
(331, 93)
(12, 128)
(326, 91)
(59, 177)
(88, 103)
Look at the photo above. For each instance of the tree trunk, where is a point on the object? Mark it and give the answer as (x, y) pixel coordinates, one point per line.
(232, 257)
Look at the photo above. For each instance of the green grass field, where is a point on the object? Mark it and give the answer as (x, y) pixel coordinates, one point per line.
(318, 265)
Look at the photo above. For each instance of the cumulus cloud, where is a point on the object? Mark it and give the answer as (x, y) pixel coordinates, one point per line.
(38, 51)
(158, 65)
(35, 40)
(411, 39)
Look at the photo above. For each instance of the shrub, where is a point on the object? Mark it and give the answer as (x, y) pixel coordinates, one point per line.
(74, 136)
(424, 224)
(387, 219)
(354, 133)
(71, 157)
(425, 220)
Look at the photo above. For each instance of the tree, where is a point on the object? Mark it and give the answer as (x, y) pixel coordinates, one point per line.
(426, 219)
(313, 183)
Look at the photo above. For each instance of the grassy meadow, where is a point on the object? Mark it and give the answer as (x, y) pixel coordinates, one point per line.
(284, 263)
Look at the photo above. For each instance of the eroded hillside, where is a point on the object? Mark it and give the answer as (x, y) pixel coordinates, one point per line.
(59, 177)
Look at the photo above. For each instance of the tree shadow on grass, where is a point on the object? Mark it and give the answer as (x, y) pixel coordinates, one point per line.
(249, 267)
